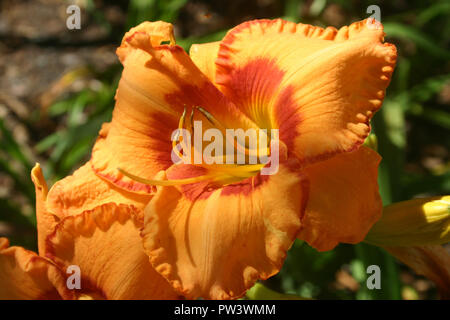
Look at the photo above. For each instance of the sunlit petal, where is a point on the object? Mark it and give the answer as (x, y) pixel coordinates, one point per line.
(320, 87)
(24, 275)
(105, 244)
(216, 242)
(344, 202)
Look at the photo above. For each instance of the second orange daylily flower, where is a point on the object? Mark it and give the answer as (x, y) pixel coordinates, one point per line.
(102, 242)
(318, 87)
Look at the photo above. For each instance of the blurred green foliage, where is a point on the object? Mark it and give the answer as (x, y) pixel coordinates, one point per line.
(414, 115)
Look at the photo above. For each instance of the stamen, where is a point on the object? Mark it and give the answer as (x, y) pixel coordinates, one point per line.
(210, 117)
(174, 182)
(223, 173)
(233, 168)
(179, 135)
(236, 144)
(192, 121)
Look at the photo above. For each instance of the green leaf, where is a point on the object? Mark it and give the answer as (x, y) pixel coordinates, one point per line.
(187, 42)
(438, 117)
(407, 32)
(11, 212)
(12, 148)
(429, 13)
(292, 10)
(260, 292)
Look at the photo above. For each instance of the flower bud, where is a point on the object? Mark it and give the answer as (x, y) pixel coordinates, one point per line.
(414, 222)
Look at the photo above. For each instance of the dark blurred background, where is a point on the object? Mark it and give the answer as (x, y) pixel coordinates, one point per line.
(57, 87)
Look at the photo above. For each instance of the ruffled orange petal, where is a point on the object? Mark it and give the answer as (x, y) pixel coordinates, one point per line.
(215, 243)
(24, 276)
(84, 190)
(204, 56)
(105, 244)
(158, 82)
(344, 201)
(432, 262)
(320, 87)
(46, 221)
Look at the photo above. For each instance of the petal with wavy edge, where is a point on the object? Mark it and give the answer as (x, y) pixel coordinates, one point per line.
(26, 276)
(215, 243)
(106, 245)
(157, 83)
(344, 201)
(320, 87)
(84, 190)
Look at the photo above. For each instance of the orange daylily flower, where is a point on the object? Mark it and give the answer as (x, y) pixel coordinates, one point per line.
(104, 242)
(319, 88)
(212, 230)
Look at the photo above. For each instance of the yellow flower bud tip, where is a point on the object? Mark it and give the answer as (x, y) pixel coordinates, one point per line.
(414, 222)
